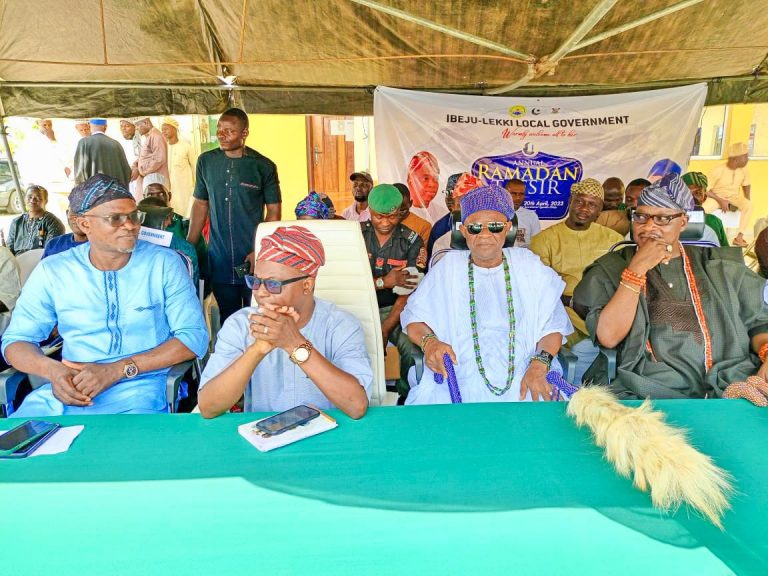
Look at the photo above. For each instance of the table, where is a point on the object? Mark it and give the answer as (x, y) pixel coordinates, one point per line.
(471, 489)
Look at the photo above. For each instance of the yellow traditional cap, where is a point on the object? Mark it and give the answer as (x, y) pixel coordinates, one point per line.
(738, 149)
(171, 122)
(588, 187)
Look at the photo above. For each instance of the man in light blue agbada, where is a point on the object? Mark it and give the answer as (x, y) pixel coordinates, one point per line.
(292, 348)
(126, 310)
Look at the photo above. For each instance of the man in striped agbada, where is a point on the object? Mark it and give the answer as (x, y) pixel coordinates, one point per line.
(686, 321)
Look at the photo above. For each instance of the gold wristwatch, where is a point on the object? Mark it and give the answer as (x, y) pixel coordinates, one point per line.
(130, 370)
(300, 354)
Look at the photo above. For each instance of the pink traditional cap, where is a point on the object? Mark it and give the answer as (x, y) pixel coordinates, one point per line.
(293, 246)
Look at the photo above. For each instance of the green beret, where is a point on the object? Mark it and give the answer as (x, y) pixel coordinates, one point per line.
(384, 199)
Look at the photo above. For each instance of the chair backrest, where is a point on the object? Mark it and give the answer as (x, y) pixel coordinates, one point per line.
(27, 262)
(695, 228)
(346, 280)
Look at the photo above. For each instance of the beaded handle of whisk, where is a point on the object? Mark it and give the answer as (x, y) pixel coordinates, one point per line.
(453, 383)
(560, 387)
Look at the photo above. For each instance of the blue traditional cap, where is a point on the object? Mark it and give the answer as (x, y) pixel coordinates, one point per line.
(669, 192)
(97, 190)
(492, 197)
(98, 121)
(312, 206)
(665, 166)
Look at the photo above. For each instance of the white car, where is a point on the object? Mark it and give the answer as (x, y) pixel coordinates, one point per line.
(10, 198)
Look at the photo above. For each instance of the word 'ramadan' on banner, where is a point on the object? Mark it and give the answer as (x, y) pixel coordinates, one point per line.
(548, 178)
(429, 140)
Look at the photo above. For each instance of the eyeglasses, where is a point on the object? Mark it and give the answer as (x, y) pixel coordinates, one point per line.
(658, 219)
(117, 220)
(272, 286)
(493, 227)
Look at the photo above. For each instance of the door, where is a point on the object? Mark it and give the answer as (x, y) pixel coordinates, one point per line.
(331, 157)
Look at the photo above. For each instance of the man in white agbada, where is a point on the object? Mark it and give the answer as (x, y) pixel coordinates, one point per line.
(503, 350)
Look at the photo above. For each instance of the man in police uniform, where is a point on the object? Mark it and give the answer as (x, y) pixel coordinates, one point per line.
(391, 249)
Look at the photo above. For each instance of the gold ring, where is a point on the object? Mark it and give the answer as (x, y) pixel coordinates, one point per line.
(669, 247)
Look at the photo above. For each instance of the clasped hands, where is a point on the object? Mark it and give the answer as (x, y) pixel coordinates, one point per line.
(275, 327)
(78, 383)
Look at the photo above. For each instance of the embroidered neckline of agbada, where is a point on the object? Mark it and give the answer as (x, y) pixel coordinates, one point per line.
(693, 290)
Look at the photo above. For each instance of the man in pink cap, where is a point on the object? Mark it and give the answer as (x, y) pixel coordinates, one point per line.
(292, 348)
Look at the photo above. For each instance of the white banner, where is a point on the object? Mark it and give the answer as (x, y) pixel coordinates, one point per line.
(423, 138)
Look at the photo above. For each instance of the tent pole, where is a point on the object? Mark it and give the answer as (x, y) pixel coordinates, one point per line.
(530, 75)
(233, 87)
(461, 35)
(9, 155)
(582, 30)
(546, 63)
(634, 24)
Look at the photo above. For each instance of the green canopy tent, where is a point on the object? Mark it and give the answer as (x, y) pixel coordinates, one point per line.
(112, 58)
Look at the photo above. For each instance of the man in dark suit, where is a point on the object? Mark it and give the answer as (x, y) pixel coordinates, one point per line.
(98, 153)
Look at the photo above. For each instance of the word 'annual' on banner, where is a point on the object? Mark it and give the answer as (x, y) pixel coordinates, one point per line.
(422, 139)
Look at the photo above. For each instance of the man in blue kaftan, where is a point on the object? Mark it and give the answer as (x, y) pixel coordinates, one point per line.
(126, 309)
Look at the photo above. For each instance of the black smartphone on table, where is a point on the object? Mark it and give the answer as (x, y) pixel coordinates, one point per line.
(287, 420)
(21, 441)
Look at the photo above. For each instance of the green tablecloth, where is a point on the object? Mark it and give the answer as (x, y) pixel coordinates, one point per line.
(473, 489)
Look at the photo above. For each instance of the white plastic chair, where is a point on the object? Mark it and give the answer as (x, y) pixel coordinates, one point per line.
(346, 280)
(27, 262)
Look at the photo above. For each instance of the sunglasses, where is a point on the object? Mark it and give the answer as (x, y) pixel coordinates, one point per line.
(117, 220)
(493, 227)
(272, 286)
(641, 218)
